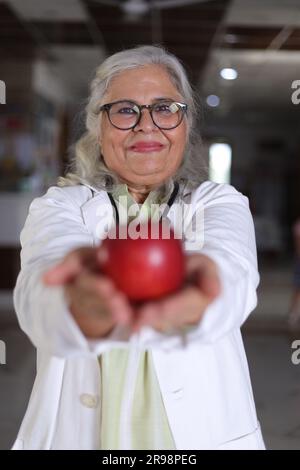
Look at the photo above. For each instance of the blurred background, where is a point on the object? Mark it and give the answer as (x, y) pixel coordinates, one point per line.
(243, 56)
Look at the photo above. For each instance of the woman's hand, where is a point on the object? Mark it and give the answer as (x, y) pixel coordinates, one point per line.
(95, 303)
(186, 307)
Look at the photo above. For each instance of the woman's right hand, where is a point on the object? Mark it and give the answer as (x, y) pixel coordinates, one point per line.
(94, 301)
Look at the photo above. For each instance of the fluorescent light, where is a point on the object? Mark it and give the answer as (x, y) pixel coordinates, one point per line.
(135, 7)
(231, 38)
(213, 101)
(229, 73)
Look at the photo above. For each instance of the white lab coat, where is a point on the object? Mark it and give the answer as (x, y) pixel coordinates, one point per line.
(205, 382)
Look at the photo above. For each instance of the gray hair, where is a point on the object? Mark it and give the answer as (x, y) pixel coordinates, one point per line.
(87, 166)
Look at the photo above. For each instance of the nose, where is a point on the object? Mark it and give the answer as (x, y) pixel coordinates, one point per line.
(146, 124)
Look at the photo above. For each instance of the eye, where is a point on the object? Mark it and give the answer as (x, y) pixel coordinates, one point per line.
(126, 110)
(166, 108)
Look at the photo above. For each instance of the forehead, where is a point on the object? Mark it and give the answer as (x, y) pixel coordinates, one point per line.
(147, 82)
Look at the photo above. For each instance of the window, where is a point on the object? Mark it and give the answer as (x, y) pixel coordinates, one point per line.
(220, 162)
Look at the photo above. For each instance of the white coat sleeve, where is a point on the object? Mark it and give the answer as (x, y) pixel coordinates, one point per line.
(228, 239)
(54, 227)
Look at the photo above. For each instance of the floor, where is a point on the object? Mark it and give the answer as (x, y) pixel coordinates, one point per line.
(16, 379)
(276, 386)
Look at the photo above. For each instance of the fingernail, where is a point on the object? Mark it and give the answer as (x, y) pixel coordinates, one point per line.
(121, 317)
(48, 276)
(102, 255)
(124, 319)
(136, 328)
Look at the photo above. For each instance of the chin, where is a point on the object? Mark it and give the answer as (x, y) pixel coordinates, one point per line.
(150, 171)
(151, 180)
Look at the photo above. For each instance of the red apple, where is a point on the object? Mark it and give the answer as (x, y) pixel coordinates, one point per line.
(145, 268)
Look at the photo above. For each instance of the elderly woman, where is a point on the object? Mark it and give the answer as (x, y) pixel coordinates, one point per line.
(167, 374)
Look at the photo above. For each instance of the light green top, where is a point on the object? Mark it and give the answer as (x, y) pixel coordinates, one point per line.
(133, 415)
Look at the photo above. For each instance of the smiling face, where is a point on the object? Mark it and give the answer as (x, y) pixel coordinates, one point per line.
(126, 152)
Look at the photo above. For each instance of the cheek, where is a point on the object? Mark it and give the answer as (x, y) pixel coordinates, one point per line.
(179, 142)
(114, 143)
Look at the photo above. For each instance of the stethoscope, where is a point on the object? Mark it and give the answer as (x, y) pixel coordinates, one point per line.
(169, 203)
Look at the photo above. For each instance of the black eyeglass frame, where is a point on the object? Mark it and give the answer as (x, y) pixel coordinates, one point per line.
(106, 107)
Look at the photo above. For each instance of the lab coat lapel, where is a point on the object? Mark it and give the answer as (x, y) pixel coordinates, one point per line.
(97, 213)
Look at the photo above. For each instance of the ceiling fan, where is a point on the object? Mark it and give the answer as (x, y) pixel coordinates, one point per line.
(135, 9)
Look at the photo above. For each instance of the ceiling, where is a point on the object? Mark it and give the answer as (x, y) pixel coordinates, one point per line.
(187, 30)
(260, 38)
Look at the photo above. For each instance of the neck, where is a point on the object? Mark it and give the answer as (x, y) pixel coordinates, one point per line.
(139, 194)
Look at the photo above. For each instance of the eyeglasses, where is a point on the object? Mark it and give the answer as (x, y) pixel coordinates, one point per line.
(125, 115)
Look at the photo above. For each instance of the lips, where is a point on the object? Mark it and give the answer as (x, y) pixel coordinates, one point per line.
(146, 146)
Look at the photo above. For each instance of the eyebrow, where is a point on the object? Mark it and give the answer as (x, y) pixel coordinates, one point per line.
(159, 98)
(163, 98)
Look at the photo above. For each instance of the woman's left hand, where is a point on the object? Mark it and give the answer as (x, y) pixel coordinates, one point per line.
(186, 307)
